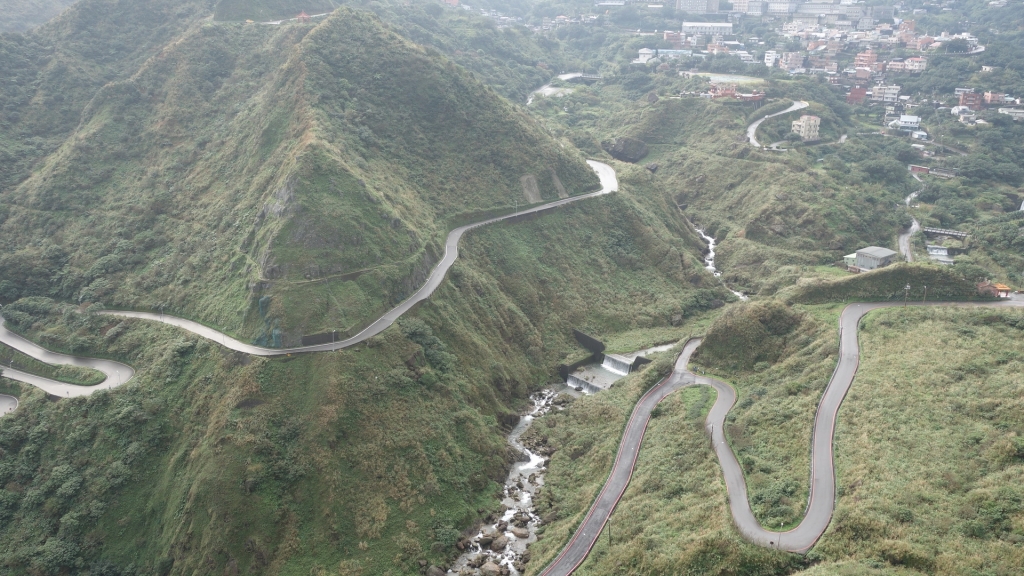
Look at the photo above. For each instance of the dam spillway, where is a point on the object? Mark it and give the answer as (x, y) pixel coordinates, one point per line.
(582, 385)
(617, 364)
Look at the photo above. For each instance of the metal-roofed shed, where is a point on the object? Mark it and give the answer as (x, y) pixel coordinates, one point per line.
(874, 257)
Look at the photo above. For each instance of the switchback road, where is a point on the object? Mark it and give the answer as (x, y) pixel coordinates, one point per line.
(822, 474)
(118, 373)
(752, 129)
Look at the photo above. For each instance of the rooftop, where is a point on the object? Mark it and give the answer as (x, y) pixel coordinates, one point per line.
(876, 252)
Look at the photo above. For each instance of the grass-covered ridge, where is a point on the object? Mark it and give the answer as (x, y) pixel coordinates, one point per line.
(927, 456)
(370, 458)
(291, 179)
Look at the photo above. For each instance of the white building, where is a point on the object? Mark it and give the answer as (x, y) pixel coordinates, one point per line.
(885, 93)
(807, 127)
(781, 8)
(645, 54)
(906, 122)
(915, 65)
(707, 28)
(1015, 113)
(770, 58)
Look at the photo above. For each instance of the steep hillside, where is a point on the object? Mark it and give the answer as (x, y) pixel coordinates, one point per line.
(767, 210)
(19, 15)
(363, 461)
(275, 181)
(51, 73)
(777, 216)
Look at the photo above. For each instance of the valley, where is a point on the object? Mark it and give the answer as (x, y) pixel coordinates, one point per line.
(358, 288)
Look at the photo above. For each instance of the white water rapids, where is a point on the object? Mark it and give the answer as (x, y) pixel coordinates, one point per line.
(525, 478)
(709, 262)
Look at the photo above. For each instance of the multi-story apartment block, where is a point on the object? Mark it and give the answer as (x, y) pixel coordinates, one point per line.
(915, 65)
(889, 94)
(807, 127)
(791, 60)
(866, 59)
(697, 6)
(972, 100)
(770, 58)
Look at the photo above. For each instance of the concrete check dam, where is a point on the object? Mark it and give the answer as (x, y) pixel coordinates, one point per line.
(822, 474)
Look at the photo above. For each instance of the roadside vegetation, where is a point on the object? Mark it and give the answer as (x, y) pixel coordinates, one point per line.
(11, 358)
(926, 454)
(371, 458)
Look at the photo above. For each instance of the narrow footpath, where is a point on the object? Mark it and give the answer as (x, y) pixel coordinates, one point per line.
(821, 502)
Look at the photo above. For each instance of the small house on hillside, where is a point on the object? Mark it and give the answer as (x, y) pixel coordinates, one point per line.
(874, 257)
(995, 290)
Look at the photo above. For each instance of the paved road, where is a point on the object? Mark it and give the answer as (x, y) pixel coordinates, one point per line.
(8, 404)
(116, 372)
(586, 535)
(609, 183)
(752, 129)
(821, 502)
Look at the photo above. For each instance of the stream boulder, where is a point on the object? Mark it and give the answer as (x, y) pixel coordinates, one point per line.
(499, 543)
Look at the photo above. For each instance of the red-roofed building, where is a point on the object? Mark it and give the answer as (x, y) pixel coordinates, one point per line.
(857, 95)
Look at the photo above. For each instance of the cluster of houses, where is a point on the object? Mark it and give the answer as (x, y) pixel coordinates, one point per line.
(821, 47)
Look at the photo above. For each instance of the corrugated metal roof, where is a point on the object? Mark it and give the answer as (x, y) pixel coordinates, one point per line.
(876, 252)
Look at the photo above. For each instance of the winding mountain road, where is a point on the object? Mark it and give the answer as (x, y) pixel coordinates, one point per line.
(118, 373)
(752, 129)
(800, 539)
(821, 502)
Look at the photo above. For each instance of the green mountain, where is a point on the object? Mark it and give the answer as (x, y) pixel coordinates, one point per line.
(19, 15)
(275, 180)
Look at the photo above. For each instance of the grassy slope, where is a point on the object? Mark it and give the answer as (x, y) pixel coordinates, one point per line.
(363, 458)
(767, 212)
(20, 15)
(777, 216)
(927, 455)
(345, 165)
(55, 70)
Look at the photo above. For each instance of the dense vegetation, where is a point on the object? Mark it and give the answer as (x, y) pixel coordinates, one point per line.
(20, 15)
(242, 461)
(280, 180)
(350, 153)
(903, 507)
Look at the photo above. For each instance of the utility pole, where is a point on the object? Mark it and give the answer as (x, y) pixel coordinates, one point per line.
(906, 294)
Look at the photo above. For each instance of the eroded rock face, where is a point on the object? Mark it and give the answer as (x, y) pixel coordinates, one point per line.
(625, 149)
